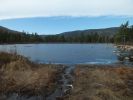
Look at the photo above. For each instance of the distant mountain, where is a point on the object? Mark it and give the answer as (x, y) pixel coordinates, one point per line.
(106, 32)
(79, 36)
(105, 35)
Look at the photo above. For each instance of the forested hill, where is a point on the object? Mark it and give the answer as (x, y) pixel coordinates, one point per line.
(85, 36)
(105, 31)
(81, 36)
(11, 36)
(6, 30)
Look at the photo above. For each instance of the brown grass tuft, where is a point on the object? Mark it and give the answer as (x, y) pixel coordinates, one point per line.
(18, 74)
(95, 82)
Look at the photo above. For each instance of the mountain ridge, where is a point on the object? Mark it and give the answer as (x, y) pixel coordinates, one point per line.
(103, 31)
(2, 28)
(109, 31)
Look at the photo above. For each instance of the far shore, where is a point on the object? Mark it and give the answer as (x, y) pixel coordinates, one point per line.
(54, 43)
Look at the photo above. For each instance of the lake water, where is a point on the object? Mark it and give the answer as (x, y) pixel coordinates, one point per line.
(65, 53)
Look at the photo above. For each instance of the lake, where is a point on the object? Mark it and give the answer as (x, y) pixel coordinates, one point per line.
(65, 53)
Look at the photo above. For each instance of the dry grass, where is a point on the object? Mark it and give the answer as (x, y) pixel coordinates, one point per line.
(95, 82)
(18, 74)
(7, 57)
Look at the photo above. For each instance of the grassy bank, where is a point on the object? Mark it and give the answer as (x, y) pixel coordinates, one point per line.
(102, 82)
(91, 82)
(19, 75)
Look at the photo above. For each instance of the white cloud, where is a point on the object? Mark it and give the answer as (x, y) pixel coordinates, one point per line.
(40, 8)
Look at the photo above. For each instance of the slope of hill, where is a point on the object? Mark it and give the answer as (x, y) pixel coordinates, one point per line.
(106, 31)
(84, 36)
(11, 36)
(6, 30)
(81, 36)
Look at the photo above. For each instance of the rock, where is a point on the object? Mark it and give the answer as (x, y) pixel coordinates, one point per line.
(69, 86)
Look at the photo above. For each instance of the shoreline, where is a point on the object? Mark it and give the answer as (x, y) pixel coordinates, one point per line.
(25, 79)
(52, 43)
(125, 47)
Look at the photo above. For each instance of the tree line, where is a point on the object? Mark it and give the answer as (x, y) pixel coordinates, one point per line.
(23, 37)
(125, 34)
(18, 37)
(90, 38)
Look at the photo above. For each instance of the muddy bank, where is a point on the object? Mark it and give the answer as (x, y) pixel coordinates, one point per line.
(102, 82)
(21, 78)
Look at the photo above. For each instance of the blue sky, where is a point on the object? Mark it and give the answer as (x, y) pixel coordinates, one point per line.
(44, 16)
(55, 25)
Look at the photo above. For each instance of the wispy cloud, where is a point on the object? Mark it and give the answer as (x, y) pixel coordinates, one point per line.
(44, 8)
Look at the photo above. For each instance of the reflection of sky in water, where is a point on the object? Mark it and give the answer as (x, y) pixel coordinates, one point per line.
(65, 53)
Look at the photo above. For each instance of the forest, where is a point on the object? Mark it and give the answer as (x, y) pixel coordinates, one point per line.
(23, 37)
(7, 36)
(124, 35)
(90, 38)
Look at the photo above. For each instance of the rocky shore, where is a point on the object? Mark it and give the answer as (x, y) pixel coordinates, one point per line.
(125, 47)
(124, 52)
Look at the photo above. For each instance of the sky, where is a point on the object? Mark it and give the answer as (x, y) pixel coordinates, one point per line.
(57, 16)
